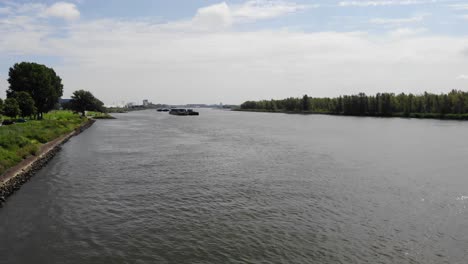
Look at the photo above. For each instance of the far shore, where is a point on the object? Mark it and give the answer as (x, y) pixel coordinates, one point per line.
(461, 117)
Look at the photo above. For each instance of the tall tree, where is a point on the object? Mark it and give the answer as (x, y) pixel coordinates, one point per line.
(83, 101)
(1, 106)
(41, 82)
(11, 108)
(25, 103)
(305, 103)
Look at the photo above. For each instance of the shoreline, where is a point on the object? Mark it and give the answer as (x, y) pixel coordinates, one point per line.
(453, 117)
(12, 179)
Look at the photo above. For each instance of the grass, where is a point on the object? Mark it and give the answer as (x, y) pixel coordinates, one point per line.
(99, 115)
(21, 140)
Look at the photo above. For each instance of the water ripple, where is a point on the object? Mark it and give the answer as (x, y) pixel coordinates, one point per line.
(229, 187)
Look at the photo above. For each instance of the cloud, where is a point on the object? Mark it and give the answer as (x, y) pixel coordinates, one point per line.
(383, 3)
(5, 10)
(464, 52)
(262, 9)
(459, 6)
(406, 32)
(235, 66)
(218, 15)
(175, 62)
(222, 15)
(399, 21)
(462, 77)
(64, 10)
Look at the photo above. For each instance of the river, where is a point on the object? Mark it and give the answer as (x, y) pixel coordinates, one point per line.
(237, 187)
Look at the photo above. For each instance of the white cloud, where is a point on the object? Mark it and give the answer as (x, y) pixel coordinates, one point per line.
(462, 77)
(177, 63)
(27, 8)
(399, 21)
(383, 3)
(459, 6)
(5, 10)
(263, 9)
(218, 15)
(222, 15)
(64, 10)
(464, 52)
(406, 32)
(236, 66)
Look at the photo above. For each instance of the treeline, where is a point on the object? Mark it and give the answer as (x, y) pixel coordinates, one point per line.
(451, 105)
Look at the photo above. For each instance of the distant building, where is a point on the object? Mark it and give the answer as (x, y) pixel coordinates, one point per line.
(145, 102)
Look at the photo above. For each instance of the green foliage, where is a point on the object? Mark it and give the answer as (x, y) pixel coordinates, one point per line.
(305, 103)
(26, 103)
(41, 82)
(23, 139)
(453, 105)
(11, 108)
(83, 101)
(99, 115)
(1, 108)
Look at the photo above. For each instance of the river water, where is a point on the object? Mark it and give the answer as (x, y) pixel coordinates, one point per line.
(235, 187)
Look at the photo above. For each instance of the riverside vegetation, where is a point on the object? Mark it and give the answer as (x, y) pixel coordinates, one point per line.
(453, 105)
(34, 92)
(21, 140)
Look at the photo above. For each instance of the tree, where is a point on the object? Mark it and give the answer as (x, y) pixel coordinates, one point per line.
(83, 101)
(1, 106)
(11, 108)
(25, 103)
(305, 103)
(249, 105)
(41, 82)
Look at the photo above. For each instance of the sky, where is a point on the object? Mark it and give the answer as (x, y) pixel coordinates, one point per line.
(205, 51)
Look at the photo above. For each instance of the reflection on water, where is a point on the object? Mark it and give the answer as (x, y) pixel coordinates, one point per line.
(230, 187)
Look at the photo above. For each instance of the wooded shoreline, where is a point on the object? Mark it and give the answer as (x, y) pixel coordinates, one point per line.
(460, 117)
(452, 105)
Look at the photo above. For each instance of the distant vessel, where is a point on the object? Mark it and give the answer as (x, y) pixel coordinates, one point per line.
(162, 110)
(182, 112)
(191, 112)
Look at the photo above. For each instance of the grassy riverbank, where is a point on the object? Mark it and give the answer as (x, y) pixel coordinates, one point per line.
(99, 115)
(21, 140)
